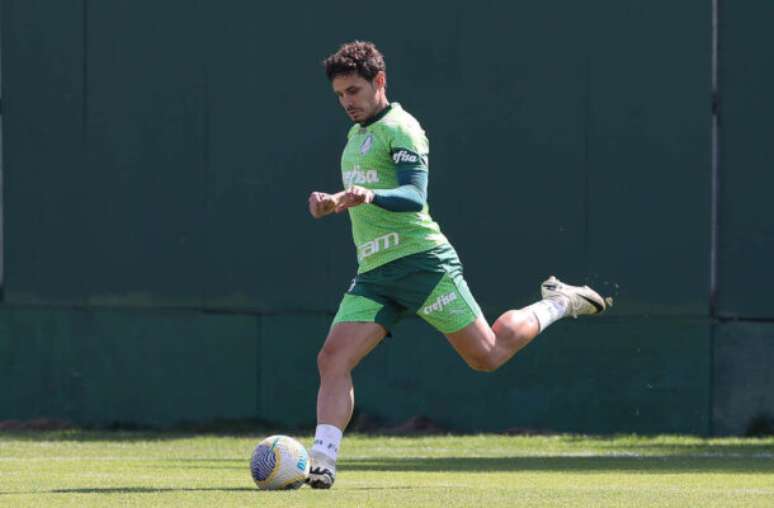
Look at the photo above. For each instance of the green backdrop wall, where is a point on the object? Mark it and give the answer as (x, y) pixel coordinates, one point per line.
(158, 156)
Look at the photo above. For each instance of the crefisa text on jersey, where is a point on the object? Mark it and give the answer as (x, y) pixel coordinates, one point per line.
(357, 176)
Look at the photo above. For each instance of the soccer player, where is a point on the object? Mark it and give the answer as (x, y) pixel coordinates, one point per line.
(406, 265)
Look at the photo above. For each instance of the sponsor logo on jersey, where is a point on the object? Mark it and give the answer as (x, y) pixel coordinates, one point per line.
(365, 146)
(405, 157)
(382, 243)
(440, 303)
(359, 176)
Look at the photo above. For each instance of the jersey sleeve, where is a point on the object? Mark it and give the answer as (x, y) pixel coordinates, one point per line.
(409, 147)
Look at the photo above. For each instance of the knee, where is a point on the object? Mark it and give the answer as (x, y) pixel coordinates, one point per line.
(483, 361)
(329, 362)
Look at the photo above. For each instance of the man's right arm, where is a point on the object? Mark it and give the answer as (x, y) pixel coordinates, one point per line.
(322, 203)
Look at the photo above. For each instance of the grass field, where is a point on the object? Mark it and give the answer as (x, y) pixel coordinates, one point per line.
(76, 468)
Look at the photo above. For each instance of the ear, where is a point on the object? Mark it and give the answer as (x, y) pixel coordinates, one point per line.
(380, 80)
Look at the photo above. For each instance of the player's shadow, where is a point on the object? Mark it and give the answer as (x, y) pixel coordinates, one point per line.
(151, 490)
(148, 490)
(133, 490)
(662, 464)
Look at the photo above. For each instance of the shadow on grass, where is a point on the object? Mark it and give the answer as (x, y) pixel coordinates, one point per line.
(672, 444)
(148, 490)
(651, 464)
(152, 490)
(709, 449)
(667, 464)
(133, 490)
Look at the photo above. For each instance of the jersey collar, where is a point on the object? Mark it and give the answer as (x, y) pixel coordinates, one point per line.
(377, 116)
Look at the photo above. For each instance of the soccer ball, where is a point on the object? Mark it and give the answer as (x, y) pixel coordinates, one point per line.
(279, 463)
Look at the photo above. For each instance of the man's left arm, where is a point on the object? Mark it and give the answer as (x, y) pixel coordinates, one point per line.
(408, 151)
(409, 196)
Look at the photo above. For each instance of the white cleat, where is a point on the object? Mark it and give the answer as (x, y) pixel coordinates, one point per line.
(322, 472)
(582, 300)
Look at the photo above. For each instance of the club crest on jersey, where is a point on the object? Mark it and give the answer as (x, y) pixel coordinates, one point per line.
(405, 157)
(365, 146)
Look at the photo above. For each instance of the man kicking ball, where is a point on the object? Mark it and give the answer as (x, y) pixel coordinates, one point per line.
(406, 265)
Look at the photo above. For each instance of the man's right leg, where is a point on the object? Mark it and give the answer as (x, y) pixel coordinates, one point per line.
(346, 344)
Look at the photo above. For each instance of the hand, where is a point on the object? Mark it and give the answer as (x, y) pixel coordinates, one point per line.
(353, 196)
(321, 204)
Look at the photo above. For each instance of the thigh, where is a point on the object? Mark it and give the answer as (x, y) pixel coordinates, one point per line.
(349, 342)
(474, 342)
(449, 305)
(364, 305)
(431, 285)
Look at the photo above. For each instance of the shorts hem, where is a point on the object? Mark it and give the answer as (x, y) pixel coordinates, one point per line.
(387, 328)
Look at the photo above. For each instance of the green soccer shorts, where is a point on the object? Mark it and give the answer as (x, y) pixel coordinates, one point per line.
(429, 284)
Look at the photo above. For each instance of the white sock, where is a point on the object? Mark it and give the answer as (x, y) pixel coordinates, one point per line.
(549, 310)
(327, 439)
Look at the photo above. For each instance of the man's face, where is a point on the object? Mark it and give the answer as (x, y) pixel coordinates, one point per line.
(360, 98)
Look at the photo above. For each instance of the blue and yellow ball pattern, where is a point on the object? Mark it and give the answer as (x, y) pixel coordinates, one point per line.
(279, 463)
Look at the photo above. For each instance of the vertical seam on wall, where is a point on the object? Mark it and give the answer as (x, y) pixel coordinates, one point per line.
(84, 77)
(2, 167)
(84, 155)
(715, 228)
(587, 168)
(715, 168)
(208, 200)
(259, 368)
(711, 381)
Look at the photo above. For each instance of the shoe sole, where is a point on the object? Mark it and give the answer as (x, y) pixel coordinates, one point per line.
(318, 484)
(600, 304)
(325, 481)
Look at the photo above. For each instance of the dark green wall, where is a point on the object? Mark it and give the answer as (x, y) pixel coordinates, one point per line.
(115, 366)
(178, 149)
(151, 367)
(158, 156)
(746, 208)
(744, 346)
(744, 376)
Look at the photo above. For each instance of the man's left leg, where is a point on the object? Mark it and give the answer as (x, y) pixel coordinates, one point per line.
(487, 348)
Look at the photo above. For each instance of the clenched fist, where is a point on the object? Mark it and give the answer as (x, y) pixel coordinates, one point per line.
(321, 204)
(353, 196)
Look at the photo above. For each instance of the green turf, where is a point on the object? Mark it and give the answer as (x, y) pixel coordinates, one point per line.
(139, 469)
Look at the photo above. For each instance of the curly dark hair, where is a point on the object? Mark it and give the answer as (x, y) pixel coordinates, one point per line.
(356, 56)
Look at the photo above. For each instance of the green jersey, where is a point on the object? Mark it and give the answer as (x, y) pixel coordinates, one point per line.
(374, 154)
